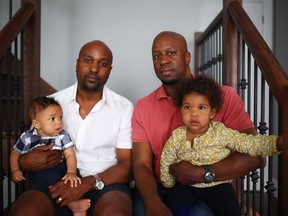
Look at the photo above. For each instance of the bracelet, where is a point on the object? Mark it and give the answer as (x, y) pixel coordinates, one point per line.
(19, 162)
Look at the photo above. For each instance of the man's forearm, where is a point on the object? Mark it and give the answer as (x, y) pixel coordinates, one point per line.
(236, 165)
(119, 173)
(145, 183)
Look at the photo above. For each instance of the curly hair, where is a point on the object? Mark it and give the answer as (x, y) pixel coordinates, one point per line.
(39, 104)
(202, 85)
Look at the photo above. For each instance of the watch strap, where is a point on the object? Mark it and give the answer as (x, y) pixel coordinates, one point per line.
(97, 177)
(209, 175)
(99, 184)
(207, 168)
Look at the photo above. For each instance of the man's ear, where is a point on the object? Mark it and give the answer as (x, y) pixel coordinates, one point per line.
(76, 66)
(188, 58)
(35, 124)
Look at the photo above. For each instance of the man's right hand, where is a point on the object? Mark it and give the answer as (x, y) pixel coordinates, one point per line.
(41, 157)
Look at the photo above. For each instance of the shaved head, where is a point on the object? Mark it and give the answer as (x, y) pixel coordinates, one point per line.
(98, 44)
(172, 35)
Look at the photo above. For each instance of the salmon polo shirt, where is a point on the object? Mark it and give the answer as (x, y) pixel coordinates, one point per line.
(155, 117)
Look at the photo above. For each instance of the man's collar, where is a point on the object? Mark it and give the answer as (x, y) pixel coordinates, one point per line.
(161, 93)
(104, 99)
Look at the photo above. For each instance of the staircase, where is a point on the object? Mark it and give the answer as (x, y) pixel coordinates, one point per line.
(20, 84)
(232, 51)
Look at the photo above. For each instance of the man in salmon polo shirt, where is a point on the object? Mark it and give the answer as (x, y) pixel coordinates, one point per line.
(154, 118)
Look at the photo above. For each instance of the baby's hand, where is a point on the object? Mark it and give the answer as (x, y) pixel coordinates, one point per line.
(17, 175)
(73, 178)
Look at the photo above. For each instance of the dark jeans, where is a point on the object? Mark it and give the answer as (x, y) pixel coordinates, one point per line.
(41, 180)
(198, 209)
(221, 199)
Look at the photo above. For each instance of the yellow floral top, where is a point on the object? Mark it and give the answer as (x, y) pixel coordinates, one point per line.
(215, 145)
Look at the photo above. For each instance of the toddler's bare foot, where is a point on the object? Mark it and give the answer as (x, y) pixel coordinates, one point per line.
(79, 207)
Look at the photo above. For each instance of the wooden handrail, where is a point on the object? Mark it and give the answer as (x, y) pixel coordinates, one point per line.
(277, 81)
(260, 50)
(201, 36)
(14, 26)
(235, 20)
(217, 21)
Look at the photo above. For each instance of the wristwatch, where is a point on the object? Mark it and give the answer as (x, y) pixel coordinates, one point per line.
(209, 175)
(99, 184)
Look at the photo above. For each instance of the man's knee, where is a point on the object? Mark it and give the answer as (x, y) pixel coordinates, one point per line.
(200, 209)
(113, 203)
(32, 203)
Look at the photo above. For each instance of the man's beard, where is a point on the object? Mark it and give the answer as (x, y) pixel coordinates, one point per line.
(93, 88)
(169, 82)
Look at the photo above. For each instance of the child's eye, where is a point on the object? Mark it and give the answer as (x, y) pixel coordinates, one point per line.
(202, 107)
(52, 119)
(186, 107)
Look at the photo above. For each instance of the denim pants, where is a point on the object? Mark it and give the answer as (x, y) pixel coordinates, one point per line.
(199, 209)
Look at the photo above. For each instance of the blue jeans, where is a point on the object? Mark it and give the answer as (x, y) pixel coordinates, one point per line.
(221, 199)
(199, 209)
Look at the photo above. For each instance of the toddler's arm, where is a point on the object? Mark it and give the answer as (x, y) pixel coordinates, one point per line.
(17, 174)
(71, 163)
(279, 143)
(73, 178)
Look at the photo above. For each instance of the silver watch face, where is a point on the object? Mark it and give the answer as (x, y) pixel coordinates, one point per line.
(209, 177)
(99, 185)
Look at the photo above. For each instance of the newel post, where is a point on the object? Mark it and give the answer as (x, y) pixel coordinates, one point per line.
(229, 47)
(31, 55)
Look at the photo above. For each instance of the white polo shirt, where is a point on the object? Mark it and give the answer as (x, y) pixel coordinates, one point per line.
(106, 127)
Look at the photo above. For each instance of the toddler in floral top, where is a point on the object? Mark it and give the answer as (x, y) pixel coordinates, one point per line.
(203, 142)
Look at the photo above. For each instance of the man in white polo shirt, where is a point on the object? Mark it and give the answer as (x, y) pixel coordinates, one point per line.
(99, 123)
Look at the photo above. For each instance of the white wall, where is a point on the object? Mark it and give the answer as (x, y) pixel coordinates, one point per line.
(127, 26)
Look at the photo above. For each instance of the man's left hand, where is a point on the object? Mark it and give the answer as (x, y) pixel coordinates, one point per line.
(64, 193)
(186, 173)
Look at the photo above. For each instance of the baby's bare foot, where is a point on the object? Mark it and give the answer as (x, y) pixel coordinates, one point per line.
(79, 207)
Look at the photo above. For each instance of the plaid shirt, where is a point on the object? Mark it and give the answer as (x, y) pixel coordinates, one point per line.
(30, 140)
